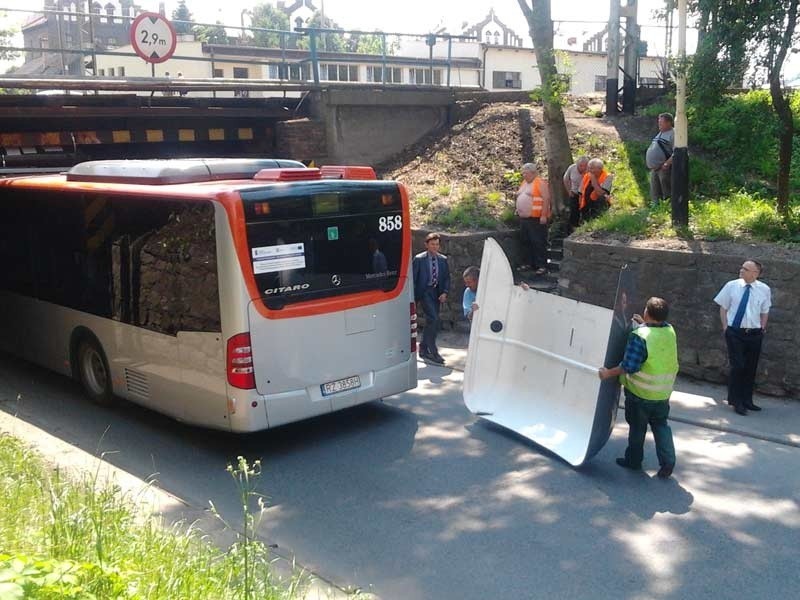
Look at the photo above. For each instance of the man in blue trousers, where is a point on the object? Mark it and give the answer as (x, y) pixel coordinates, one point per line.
(431, 285)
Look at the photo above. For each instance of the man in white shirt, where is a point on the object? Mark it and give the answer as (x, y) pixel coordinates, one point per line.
(659, 160)
(744, 305)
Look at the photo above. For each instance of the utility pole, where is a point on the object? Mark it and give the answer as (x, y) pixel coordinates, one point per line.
(631, 70)
(612, 70)
(680, 156)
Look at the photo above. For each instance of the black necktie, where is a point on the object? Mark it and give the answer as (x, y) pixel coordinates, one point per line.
(434, 271)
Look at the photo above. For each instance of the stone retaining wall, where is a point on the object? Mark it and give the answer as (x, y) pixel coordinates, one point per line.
(463, 250)
(689, 277)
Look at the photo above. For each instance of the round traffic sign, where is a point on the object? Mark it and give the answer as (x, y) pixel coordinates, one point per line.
(153, 37)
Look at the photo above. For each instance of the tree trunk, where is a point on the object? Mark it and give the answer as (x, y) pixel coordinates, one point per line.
(559, 154)
(780, 104)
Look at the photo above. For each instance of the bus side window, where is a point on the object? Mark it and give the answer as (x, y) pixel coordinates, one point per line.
(165, 265)
(16, 239)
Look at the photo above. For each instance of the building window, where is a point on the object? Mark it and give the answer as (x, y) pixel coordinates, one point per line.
(111, 71)
(111, 42)
(650, 82)
(423, 76)
(497, 38)
(68, 40)
(121, 71)
(488, 37)
(329, 72)
(289, 72)
(241, 73)
(101, 72)
(392, 74)
(507, 79)
(599, 83)
(218, 73)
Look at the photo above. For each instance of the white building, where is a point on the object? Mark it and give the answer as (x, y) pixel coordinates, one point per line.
(496, 60)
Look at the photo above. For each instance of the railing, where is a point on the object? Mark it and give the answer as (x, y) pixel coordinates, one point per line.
(302, 53)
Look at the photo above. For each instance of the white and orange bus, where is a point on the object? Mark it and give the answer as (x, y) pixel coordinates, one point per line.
(232, 294)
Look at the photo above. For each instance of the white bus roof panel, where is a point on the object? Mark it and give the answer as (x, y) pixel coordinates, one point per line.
(532, 364)
(174, 171)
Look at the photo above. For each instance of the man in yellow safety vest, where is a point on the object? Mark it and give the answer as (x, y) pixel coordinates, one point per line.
(647, 372)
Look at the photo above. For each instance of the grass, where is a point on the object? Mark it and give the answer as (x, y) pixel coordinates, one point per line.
(739, 216)
(74, 539)
(470, 212)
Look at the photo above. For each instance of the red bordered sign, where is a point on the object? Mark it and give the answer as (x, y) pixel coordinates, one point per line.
(153, 37)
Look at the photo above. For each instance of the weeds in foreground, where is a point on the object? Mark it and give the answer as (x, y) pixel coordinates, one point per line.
(75, 538)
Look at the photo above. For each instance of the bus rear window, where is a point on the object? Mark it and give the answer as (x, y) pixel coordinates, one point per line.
(322, 239)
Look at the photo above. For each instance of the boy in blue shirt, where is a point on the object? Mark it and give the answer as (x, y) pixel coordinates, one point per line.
(468, 303)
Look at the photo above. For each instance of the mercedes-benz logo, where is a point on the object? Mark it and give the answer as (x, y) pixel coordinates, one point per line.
(336, 280)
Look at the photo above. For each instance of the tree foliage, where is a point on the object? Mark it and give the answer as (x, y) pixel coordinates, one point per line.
(5, 40)
(721, 60)
(266, 16)
(181, 13)
(211, 34)
(326, 42)
(737, 35)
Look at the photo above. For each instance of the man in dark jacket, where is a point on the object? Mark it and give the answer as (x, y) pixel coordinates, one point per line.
(431, 286)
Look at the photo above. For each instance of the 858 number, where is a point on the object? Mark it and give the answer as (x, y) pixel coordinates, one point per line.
(394, 223)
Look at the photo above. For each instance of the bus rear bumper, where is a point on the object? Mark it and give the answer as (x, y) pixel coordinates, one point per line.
(296, 405)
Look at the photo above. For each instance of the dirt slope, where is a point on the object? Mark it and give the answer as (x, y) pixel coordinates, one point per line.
(456, 178)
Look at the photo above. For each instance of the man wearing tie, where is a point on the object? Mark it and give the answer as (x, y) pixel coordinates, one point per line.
(431, 285)
(744, 305)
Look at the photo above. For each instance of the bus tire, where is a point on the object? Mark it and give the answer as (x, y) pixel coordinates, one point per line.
(93, 371)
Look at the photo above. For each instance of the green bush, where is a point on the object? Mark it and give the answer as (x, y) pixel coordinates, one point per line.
(741, 132)
(494, 198)
(423, 202)
(467, 213)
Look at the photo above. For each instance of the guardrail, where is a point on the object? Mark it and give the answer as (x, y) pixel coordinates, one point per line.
(311, 42)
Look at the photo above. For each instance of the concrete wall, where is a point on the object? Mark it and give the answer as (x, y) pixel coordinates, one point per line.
(688, 277)
(369, 127)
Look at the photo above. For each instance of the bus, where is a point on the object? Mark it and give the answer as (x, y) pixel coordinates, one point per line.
(233, 294)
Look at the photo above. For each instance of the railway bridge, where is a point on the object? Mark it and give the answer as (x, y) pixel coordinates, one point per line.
(152, 118)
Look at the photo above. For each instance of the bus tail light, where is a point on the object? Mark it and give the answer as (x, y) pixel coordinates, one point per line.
(347, 172)
(413, 327)
(287, 174)
(239, 361)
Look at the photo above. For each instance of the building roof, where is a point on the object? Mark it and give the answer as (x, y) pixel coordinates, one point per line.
(508, 34)
(297, 4)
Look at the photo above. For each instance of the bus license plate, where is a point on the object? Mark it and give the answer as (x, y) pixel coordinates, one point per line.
(341, 385)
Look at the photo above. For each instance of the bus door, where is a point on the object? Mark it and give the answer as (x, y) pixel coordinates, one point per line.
(532, 363)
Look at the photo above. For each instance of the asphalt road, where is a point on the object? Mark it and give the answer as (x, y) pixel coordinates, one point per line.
(414, 498)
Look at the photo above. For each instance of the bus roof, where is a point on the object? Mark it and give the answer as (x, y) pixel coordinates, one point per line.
(174, 171)
(188, 178)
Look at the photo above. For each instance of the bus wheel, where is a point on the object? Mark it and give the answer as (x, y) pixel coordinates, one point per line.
(93, 371)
